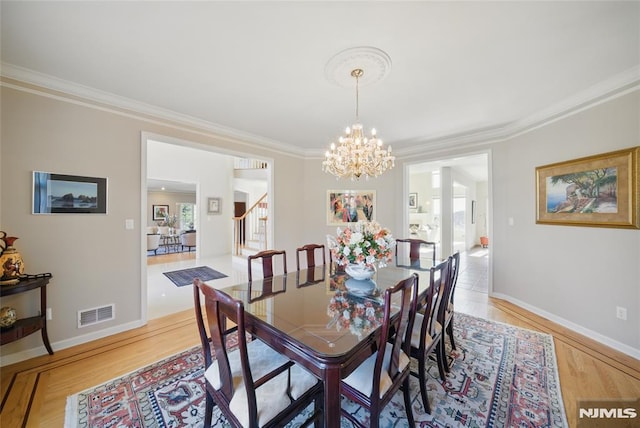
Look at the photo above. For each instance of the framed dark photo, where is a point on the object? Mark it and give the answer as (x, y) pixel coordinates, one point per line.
(68, 194)
(599, 191)
(413, 200)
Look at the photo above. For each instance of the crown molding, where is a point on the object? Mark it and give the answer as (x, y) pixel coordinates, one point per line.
(616, 86)
(50, 86)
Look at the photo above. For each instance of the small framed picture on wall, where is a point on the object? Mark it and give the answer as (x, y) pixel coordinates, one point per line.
(214, 206)
(160, 212)
(413, 200)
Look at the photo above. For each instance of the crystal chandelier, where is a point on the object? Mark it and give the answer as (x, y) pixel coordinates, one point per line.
(355, 155)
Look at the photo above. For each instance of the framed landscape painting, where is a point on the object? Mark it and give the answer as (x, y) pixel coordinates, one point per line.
(350, 206)
(68, 194)
(601, 191)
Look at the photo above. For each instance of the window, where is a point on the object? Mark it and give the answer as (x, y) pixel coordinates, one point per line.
(435, 180)
(187, 215)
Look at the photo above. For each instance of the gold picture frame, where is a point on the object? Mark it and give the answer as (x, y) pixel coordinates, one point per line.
(596, 191)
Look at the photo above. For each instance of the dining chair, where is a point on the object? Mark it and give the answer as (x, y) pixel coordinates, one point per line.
(252, 384)
(448, 320)
(413, 247)
(376, 380)
(311, 251)
(426, 337)
(266, 258)
(313, 274)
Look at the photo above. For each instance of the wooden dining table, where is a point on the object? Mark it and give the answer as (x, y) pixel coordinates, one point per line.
(311, 317)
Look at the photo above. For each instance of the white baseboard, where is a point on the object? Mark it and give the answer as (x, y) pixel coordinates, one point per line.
(618, 346)
(64, 344)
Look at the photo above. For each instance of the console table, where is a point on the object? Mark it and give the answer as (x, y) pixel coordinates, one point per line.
(25, 326)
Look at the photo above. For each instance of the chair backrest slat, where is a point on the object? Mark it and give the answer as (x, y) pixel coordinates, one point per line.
(310, 250)
(415, 245)
(439, 278)
(266, 258)
(454, 271)
(402, 322)
(219, 308)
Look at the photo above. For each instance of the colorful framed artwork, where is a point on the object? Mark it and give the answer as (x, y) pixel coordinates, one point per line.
(598, 191)
(68, 194)
(160, 212)
(350, 206)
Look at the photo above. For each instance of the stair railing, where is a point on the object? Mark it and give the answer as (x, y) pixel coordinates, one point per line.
(251, 227)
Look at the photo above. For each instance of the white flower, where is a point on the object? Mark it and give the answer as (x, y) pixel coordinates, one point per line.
(346, 251)
(357, 251)
(356, 238)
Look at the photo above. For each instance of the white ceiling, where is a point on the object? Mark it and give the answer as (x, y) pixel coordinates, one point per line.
(460, 71)
(157, 185)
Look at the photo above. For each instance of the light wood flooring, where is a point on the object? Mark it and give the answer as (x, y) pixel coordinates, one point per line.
(34, 392)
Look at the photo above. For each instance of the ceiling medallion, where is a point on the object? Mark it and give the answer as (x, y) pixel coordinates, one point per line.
(375, 61)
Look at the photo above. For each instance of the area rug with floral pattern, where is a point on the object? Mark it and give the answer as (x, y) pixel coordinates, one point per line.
(502, 376)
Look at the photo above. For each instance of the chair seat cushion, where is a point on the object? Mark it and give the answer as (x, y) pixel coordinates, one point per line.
(361, 378)
(271, 398)
(415, 333)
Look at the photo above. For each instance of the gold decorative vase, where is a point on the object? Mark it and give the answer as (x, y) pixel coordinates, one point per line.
(7, 317)
(10, 261)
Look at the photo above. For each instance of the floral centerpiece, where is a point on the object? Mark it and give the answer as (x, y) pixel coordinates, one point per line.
(360, 316)
(170, 220)
(364, 243)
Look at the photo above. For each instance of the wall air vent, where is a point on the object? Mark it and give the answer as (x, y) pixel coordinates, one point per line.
(92, 316)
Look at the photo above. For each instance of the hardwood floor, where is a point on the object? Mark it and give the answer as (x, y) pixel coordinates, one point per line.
(34, 392)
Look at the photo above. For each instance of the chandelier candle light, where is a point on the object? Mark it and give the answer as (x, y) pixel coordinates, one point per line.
(355, 155)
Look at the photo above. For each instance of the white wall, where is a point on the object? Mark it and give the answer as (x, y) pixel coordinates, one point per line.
(94, 260)
(471, 195)
(213, 174)
(575, 275)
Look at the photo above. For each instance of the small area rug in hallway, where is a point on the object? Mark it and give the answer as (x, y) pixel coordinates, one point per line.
(186, 276)
(502, 376)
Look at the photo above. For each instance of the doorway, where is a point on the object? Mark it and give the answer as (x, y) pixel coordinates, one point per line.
(452, 210)
(214, 175)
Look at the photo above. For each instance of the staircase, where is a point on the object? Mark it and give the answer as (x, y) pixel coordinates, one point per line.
(250, 229)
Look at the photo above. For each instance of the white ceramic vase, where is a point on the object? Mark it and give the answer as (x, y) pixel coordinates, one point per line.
(359, 271)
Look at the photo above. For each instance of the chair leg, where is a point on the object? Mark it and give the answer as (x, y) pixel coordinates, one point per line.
(422, 378)
(450, 333)
(440, 357)
(208, 410)
(374, 418)
(318, 408)
(407, 401)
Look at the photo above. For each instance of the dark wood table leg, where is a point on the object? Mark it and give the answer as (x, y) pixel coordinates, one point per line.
(43, 313)
(332, 402)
